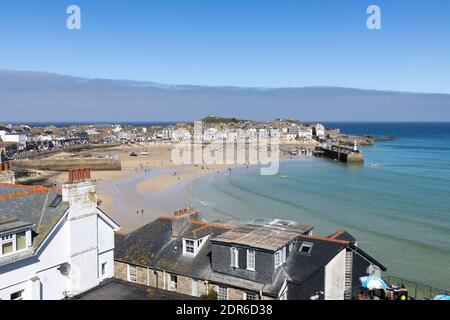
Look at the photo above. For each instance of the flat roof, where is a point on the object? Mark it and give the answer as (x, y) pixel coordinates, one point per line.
(270, 237)
(115, 289)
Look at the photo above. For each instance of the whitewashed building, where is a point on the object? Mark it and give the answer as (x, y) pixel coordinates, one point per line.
(53, 244)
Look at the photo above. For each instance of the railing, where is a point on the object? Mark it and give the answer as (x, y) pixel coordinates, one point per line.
(416, 290)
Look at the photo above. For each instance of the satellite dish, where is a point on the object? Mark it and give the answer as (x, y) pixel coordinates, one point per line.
(65, 269)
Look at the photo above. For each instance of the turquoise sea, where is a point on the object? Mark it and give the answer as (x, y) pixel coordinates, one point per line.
(399, 211)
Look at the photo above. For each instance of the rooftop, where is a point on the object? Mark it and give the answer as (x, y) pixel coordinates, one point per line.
(115, 289)
(270, 236)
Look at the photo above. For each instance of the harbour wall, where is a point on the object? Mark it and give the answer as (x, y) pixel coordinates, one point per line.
(68, 164)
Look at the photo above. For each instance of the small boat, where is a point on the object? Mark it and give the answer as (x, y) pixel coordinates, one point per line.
(376, 165)
(284, 176)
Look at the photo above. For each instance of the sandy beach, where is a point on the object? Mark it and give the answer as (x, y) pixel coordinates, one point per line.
(149, 184)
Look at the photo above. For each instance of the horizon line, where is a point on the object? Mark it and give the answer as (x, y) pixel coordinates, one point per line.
(91, 78)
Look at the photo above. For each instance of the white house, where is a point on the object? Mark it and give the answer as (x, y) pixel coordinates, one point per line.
(53, 244)
(19, 138)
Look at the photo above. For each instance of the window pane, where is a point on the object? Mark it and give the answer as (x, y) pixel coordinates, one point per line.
(7, 248)
(21, 242)
(250, 296)
(223, 293)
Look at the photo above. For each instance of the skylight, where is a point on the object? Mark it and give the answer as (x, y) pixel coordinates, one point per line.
(306, 248)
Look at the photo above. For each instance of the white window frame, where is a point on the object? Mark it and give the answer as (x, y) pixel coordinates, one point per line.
(247, 294)
(251, 260)
(191, 245)
(308, 245)
(278, 259)
(219, 288)
(234, 254)
(130, 277)
(173, 284)
(12, 238)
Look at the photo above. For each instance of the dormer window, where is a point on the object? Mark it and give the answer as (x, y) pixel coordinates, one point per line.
(13, 243)
(280, 257)
(192, 247)
(306, 248)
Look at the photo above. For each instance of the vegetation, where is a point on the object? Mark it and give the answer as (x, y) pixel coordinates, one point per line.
(216, 120)
(212, 295)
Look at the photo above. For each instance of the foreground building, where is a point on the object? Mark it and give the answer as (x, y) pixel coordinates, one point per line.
(53, 244)
(261, 259)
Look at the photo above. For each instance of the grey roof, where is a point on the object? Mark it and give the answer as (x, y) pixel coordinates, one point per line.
(196, 267)
(32, 205)
(153, 246)
(8, 225)
(114, 289)
(143, 245)
(9, 189)
(267, 237)
(300, 267)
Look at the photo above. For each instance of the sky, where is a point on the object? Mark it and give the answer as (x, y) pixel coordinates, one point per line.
(253, 43)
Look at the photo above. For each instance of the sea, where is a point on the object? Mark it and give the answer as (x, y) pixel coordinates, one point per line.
(397, 204)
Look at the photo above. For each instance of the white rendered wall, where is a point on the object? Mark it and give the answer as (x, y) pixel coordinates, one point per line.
(335, 277)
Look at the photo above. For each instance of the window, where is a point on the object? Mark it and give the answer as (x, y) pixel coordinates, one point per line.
(173, 283)
(7, 248)
(223, 293)
(132, 273)
(234, 258)
(194, 288)
(250, 296)
(189, 246)
(251, 260)
(305, 248)
(17, 295)
(103, 269)
(278, 260)
(21, 241)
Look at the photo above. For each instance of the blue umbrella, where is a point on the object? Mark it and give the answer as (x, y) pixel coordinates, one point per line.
(372, 283)
(442, 297)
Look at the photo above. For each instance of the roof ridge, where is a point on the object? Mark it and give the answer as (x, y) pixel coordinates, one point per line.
(337, 233)
(324, 239)
(35, 190)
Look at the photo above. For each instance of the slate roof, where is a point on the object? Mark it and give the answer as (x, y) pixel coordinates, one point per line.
(153, 246)
(263, 237)
(20, 205)
(342, 235)
(300, 267)
(114, 289)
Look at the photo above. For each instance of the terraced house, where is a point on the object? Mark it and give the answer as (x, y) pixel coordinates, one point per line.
(260, 259)
(53, 243)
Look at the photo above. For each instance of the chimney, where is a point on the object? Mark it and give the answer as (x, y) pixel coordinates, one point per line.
(6, 176)
(80, 192)
(181, 219)
(79, 175)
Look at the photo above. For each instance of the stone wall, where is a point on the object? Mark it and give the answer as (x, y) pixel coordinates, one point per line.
(161, 279)
(67, 164)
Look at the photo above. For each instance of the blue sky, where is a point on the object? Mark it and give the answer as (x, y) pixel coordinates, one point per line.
(269, 43)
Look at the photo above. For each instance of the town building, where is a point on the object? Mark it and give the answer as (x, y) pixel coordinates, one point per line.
(258, 260)
(54, 243)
